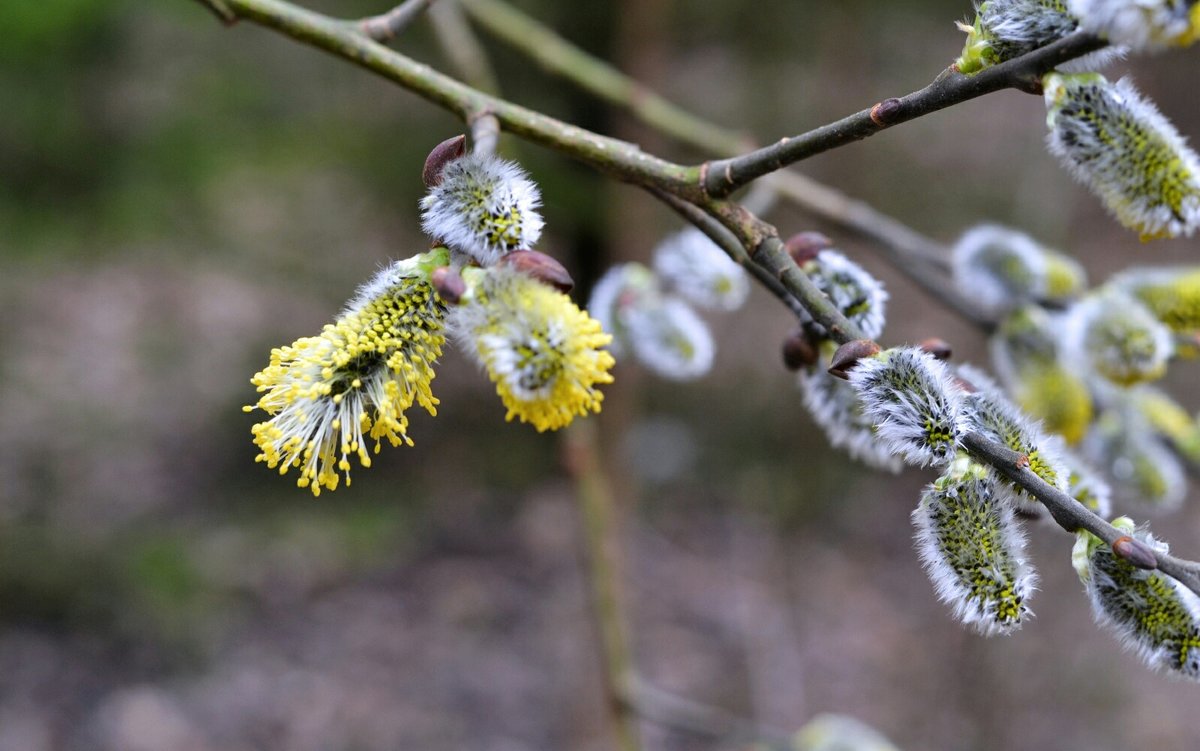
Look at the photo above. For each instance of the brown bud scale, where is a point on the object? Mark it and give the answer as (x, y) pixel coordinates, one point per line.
(848, 355)
(444, 153)
(541, 267)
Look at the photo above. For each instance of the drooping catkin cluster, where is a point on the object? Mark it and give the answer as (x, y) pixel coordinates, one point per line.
(650, 314)
(1080, 364)
(1151, 614)
(325, 396)
(973, 549)
(1117, 143)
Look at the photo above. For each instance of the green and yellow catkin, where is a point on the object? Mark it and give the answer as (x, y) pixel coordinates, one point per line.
(1117, 143)
(326, 394)
(1117, 338)
(1025, 352)
(1006, 29)
(1143, 471)
(1172, 295)
(1152, 614)
(973, 550)
(545, 355)
(1001, 269)
(911, 399)
(1168, 419)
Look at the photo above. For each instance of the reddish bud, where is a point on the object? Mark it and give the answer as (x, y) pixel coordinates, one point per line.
(541, 267)
(939, 348)
(798, 351)
(444, 153)
(804, 246)
(448, 283)
(884, 113)
(848, 355)
(1135, 551)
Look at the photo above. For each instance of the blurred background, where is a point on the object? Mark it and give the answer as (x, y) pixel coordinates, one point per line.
(176, 198)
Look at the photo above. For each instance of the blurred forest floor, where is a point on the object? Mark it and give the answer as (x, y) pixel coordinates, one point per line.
(176, 198)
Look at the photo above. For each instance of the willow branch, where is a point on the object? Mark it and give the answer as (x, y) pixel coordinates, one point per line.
(387, 26)
(724, 176)
(625, 161)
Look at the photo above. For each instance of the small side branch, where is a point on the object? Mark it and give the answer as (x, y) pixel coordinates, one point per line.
(728, 243)
(387, 26)
(950, 88)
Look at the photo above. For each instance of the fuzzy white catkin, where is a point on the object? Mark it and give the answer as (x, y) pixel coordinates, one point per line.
(484, 207)
(1116, 337)
(914, 404)
(973, 550)
(693, 266)
(853, 291)
(669, 338)
(835, 406)
(1142, 25)
(998, 268)
(1151, 614)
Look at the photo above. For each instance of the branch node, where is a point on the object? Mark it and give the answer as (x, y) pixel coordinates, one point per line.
(1136, 552)
(883, 113)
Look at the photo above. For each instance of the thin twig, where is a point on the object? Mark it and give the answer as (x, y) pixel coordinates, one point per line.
(724, 176)
(730, 244)
(557, 55)
(462, 48)
(387, 26)
(620, 159)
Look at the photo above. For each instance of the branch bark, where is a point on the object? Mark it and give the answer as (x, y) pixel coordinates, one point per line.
(724, 176)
